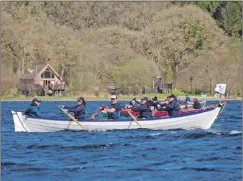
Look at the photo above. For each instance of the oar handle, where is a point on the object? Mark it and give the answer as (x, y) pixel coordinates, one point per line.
(70, 116)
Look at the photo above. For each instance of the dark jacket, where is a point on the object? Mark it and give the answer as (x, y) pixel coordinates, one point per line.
(173, 108)
(196, 105)
(145, 111)
(33, 110)
(79, 111)
(116, 114)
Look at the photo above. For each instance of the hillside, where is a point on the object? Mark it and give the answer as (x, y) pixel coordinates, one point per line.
(92, 44)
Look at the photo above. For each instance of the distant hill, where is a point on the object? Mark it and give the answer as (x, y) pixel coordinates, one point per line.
(93, 44)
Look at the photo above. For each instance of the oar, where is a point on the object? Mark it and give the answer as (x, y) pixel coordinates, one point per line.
(134, 118)
(93, 115)
(71, 117)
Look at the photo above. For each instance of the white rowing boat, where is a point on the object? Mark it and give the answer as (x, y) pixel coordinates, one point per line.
(199, 119)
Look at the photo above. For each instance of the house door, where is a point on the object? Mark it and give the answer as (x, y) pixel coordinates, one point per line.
(46, 84)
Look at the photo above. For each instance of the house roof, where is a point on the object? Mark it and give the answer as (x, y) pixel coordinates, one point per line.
(34, 70)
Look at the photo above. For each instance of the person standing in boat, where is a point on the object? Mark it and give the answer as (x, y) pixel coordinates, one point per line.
(78, 110)
(114, 111)
(144, 109)
(172, 106)
(33, 109)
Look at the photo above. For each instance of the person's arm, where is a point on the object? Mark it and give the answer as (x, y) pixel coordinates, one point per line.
(140, 108)
(78, 109)
(36, 111)
(69, 108)
(170, 107)
(110, 110)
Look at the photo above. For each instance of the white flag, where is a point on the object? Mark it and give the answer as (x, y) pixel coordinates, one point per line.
(220, 88)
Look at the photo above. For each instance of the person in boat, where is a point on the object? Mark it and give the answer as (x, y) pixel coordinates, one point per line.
(33, 109)
(114, 111)
(133, 104)
(187, 100)
(78, 110)
(196, 104)
(172, 106)
(144, 109)
(160, 105)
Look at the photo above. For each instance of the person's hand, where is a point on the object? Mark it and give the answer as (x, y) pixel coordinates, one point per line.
(61, 106)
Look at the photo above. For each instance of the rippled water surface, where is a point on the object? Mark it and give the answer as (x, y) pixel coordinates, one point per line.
(137, 155)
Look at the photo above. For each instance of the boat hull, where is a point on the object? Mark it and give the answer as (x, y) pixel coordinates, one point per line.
(202, 119)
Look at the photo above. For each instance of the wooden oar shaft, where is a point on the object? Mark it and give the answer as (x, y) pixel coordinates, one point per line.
(71, 117)
(93, 115)
(134, 118)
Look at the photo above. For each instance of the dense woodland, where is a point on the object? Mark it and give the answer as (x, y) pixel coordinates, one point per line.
(92, 44)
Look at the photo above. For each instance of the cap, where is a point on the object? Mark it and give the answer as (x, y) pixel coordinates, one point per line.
(36, 100)
(113, 97)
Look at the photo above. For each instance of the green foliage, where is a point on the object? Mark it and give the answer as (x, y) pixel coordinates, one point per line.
(169, 75)
(232, 20)
(133, 76)
(210, 6)
(92, 44)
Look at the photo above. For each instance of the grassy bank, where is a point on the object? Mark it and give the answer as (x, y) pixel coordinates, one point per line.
(106, 97)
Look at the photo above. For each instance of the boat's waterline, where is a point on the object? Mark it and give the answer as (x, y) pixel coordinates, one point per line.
(198, 120)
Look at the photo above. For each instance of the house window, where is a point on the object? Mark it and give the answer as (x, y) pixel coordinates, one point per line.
(47, 74)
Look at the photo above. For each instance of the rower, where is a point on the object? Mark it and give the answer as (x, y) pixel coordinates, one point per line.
(114, 111)
(172, 106)
(33, 109)
(196, 104)
(78, 110)
(144, 109)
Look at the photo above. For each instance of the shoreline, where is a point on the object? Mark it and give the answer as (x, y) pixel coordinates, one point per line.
(122, 98)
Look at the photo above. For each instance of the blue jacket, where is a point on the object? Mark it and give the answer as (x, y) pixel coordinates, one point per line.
(188, 99)
(79, 111)
(173, 108)
(116, 114)
(33, 110)
(144, 109)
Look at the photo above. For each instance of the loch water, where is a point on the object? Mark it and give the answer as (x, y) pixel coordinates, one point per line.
(122, 155)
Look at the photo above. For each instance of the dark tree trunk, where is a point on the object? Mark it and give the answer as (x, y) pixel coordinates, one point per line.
(175, 71)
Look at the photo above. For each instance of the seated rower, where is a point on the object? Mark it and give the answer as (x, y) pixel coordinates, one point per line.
(114, 111)
(172, 106)
(33, 109)
(196, 104)
(144, 109)
(133, 103)
(160, 105)
(78, 110)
